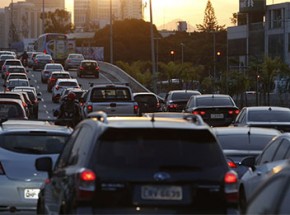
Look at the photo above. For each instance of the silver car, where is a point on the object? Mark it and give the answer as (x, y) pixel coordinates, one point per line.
(73, 61)
(21, 142)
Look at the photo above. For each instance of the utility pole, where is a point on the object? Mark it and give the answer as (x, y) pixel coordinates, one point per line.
(154, 84)
(43, 30)
(111, 33)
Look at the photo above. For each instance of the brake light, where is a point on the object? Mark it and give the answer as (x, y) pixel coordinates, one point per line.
(57, 87)
(68, 61)
(232, 164)
(24, 104)
(86, 184)
(172, 106)
(2, 172)
(97, 68)
(6, 74)
(199, 112)
(136, 109)
(36, 61)
(52, 79)
(231, 186)
(90, 108)
(81, 68)
(236, 112)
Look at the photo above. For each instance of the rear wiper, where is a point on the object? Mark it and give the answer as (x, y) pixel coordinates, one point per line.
(179, 168)
(30, 150)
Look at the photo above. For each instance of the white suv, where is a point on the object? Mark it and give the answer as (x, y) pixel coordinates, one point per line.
(62, 84)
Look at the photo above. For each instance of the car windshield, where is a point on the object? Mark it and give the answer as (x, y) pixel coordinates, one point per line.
(214, 101)
(269, 116)
(33, 143)
(158, 149)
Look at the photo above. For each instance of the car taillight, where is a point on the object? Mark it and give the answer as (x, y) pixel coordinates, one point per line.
(231, 186)
(90, 108)
(97, 68)
(172, 106)
(24, 104)
(158, 105)
(68, 61)
(232, 112)
(136, 109)
(7, 73)
(52, 79)
(86, 184)
(199, 113)
(57, 87)
(232, 164)
(2, 172)
(36, 61)
(81, 68)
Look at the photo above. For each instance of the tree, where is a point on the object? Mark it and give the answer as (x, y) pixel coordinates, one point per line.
(210, 23)
(57, 22)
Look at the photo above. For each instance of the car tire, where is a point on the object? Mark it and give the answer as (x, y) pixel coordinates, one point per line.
(242, 202)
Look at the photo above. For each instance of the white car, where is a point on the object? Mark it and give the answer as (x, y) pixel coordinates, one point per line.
(10, 62)
(62, 84)
(48, 69)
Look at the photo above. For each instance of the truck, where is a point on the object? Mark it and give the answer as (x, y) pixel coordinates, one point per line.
(113, 99)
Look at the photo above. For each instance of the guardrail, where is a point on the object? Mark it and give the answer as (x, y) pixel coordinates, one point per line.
(117, 73)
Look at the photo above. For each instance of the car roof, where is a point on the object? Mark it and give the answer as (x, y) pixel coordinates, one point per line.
(10, 100)
(17, 79)
(33, 126)
(148, 122)
(184, 91)
(67, 80)
(245, 130)
(267, 108)
(16, 66)
(60, 72)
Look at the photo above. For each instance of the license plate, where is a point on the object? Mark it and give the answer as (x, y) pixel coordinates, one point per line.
(161, 192)
(31, 193)
(217, 116)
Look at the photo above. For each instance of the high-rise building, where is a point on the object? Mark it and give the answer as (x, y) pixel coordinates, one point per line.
(57, 4)
(98, 12)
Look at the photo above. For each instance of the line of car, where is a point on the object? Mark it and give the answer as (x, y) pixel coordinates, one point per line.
(159, 185)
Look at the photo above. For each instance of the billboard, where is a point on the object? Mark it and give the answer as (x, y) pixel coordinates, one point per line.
(248, 6)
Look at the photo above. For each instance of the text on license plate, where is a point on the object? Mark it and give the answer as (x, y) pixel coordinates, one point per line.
(217, 116)
(161, 192)
(31, 193)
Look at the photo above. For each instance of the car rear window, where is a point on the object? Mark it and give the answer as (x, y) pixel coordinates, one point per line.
(159, 148)
(67, 83)
(10, 110)
(17, 63)
(182, 95)
(214, 101)
(60, 76)
(269, 116)
(151, 99)
(16, 70)
(33, 143)
(110, 94)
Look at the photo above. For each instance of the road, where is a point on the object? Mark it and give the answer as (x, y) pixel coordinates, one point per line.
(46, 105)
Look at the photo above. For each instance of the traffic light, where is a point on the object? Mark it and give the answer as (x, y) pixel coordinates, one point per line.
(172, 54)
(218, 56)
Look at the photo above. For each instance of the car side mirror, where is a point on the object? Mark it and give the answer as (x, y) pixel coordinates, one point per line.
(44, 164)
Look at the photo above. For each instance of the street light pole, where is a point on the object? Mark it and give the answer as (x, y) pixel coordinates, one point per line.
(182, 46)
(111, 33)
(154, 84)
(43, 31)
(214, 61)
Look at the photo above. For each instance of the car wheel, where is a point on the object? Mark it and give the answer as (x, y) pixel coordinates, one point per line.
(242, 202)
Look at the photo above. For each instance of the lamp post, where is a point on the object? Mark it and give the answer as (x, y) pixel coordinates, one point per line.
(157, 51)
(111, 33)
(43, 30)
(182, 56)
(154, 84)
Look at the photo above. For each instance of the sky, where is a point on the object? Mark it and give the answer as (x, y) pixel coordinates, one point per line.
(191, 11)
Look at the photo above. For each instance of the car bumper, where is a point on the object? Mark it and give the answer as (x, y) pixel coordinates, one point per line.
(15, 196)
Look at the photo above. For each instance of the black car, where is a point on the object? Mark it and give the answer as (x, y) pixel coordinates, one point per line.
(139, 165)
(41, 60)
(264, 116)
(240, 142)
(176, 100)
(215, 109)
(88, 67)
(148, 102)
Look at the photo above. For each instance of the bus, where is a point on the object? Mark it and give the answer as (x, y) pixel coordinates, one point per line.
(54, 44)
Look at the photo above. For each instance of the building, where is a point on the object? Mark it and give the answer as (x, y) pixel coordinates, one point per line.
(56, 4)
(91, 13)
(262, 30)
